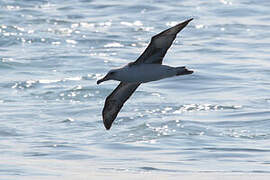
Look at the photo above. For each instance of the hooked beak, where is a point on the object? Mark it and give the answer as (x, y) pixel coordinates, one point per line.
(102, 80)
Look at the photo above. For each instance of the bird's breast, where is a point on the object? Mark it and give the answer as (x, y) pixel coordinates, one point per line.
(146, 73)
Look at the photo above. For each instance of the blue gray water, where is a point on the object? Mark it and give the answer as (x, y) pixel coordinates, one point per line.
(215, 121)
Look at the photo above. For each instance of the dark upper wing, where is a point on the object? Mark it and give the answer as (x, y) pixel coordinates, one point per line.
(159, 45)
(115, 101)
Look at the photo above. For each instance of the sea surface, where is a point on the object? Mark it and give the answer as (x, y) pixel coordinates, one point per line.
(214, 123)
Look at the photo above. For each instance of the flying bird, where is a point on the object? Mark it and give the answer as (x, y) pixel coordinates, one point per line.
(148, 67)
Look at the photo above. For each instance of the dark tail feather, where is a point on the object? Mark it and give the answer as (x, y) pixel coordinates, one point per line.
(183, 71)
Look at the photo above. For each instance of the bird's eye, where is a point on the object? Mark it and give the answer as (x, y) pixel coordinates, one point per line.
(111, 73)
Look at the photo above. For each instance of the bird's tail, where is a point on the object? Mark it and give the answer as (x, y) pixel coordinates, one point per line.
(182, 71)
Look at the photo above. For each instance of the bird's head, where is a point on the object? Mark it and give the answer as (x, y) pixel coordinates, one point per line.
(109, 76)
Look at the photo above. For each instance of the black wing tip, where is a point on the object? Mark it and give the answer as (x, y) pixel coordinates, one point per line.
(189, 20)
(107, 126)
(107, 123)
(181, 26)
(186, 22)
(189, 71)
(184, 71)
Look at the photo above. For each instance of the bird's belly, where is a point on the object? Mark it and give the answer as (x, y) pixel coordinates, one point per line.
(148, 72)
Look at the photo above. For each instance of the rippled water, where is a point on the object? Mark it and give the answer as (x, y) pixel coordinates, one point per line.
(215, 122)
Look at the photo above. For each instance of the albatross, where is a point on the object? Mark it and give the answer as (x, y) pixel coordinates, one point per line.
(148, 67)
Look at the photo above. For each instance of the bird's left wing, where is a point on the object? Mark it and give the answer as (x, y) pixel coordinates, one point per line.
(159, 45)
(115, 101)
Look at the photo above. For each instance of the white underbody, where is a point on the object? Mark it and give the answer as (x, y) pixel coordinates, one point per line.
(145, 73)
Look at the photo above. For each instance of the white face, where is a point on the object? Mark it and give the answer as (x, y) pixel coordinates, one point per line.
(111, 74)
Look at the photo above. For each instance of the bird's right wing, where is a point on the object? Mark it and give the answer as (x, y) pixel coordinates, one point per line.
(159, 45)
(115, 101)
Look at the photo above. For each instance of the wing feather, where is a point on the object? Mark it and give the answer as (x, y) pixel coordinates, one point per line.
(115, 101)
(159, 45)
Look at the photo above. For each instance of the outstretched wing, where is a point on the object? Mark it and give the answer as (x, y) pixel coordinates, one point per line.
(115, 101)
(159, 45)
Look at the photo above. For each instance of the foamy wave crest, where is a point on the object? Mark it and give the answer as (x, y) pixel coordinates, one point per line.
(204, 107)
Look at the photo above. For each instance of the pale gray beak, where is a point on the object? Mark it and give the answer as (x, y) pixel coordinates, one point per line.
(99, 81)
(103, 79)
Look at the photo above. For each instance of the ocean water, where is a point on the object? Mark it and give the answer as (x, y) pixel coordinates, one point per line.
(213, 123)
